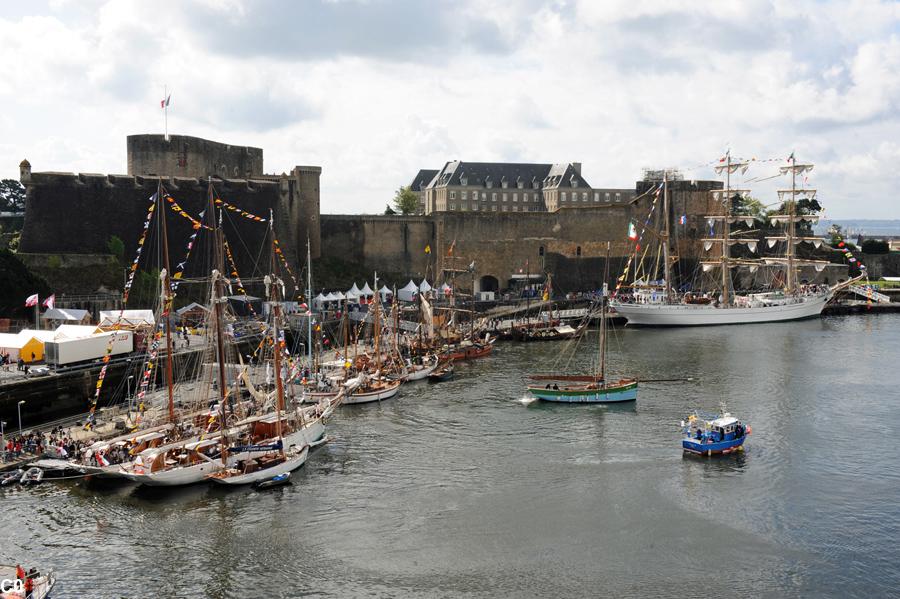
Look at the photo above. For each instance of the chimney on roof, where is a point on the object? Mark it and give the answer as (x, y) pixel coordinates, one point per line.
(577, 167)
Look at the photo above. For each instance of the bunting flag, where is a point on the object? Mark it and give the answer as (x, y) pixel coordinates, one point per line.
(237, 277)
(233, 208)
(177, 209)
(683, 219)
(284, 262)
(428, 249)
(140, 248)
(637, 238)
(179, 268)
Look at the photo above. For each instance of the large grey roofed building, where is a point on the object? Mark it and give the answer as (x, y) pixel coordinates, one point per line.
(512, 187)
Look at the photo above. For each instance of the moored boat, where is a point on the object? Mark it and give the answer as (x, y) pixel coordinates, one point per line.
(443, 373)
(713, 434)
(587, 388)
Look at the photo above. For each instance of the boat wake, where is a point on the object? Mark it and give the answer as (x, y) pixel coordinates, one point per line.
(527, 400)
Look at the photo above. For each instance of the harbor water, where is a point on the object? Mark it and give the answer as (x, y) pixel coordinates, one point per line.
(460, 489)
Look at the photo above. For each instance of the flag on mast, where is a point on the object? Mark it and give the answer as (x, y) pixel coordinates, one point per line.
(165, 103)
(632, 231)
(31, 301)
(49, 302)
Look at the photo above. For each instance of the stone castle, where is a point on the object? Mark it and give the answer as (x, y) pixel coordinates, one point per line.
(70, 218)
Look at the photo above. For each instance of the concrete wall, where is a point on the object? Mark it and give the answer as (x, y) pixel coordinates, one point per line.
(186, 156)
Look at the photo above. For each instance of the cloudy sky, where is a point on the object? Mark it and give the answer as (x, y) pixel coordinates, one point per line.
(373, 90)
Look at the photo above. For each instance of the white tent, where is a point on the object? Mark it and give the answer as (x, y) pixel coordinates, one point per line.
(408, 293)
(446, 289)
(384, 292)
(424, 287)
(134, 318)
(339, 297)
(353, 291)
(67, 314)
(366, 291)
(318, 301)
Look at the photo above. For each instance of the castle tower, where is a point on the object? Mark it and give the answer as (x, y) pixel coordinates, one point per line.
(24, 171)
(301, 199)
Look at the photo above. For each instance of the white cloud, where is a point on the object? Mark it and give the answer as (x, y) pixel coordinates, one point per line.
(375, 90)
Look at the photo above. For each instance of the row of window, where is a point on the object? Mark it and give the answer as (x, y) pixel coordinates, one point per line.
(504, 184)
(464, 195)
(503, 208)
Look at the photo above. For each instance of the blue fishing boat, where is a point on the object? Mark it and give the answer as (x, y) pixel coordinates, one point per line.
(711, 434)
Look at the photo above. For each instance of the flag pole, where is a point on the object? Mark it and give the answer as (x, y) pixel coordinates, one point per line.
(166, 108)
(37, 313)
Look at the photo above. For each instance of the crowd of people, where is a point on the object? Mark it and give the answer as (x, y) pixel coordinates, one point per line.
(55, 443)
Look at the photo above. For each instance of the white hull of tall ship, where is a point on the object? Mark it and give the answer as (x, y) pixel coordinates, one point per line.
(388, 391)
(294, 459)
(681, 315)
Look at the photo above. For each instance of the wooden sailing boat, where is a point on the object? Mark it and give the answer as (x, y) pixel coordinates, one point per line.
(654, 306)
(276, 460)
(592, 388)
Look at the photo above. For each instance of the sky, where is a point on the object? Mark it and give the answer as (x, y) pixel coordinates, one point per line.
(374, 90)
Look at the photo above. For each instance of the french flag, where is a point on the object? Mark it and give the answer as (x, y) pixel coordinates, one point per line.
(164, 103)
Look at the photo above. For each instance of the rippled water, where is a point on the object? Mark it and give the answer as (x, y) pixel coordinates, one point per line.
(459, 489)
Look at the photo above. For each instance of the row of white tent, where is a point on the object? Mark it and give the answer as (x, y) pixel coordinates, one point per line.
(406, 294)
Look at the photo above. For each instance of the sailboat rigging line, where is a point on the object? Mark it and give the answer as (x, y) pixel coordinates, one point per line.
(240, 238)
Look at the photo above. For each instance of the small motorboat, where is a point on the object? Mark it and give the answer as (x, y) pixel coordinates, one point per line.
(441, 374)
(276, 481)
(10, 478)
(713, 434)
(42, 582)
(32, 476)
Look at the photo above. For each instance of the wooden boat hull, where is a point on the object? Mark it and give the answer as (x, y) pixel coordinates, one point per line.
(421, 373)
(468, 353)
(360, 397)
(310, 434)
(696, 446)
(291, 463)
(439, 377)
(613, 393)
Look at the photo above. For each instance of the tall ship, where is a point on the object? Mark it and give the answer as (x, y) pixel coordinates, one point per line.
(652, 301)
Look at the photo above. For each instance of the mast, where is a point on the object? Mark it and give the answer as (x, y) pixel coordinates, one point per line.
(309, 345)
(472, 315)
(167, 303)
(218, 300)
(791, 231)
(527, 296)
(603, 318)
(667, 264)
(377, 332)
(726, 230)
(276, 334)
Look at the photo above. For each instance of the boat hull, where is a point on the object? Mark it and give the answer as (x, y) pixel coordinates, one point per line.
(358, 397)
(680, 315)
(610, 394)
(291, 463)
(695, 446)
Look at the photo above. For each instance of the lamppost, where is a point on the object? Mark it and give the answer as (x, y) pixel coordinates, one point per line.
(21, 403)
(130, 376)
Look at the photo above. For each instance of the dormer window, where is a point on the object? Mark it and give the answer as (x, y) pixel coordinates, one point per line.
(463, 179)
(574, 181)
(503, 182)
(488, 182)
